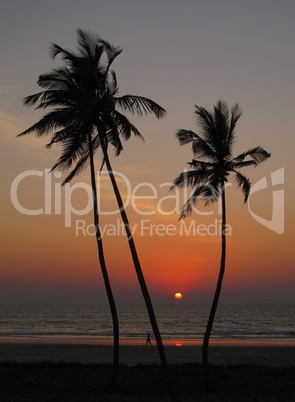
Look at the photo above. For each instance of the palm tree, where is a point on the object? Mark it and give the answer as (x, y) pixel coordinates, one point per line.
(110, 125)
(209, 174)
(68, 89)
(86, 94)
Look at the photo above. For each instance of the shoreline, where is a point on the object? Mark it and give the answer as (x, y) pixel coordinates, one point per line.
(132, 355)
(54, 340)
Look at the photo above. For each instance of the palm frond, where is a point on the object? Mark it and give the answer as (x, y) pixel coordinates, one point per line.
(185, 179)
(221, 123)
(258, 154)
(202, 193)
(31, 100)
(186, 209)
(43, 127)
(186, 136)
(200, 147)
(112, 137)
(201, 165)
(55, 50)
(244, 183)
(99, 49)
(80, 166)
(213, 188)
(206, 121)
(140, 105)
(112, 86)
(86, 43)
(58, 137)
(57, 79)
(125, 127)
(108, 132)
(236, 113)
(73, 149)
(239, 165)
(112, 52)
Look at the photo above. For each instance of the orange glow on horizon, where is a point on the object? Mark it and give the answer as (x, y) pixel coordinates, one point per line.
(178, 296)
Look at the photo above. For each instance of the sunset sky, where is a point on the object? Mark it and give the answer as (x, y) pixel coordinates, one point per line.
(179, 53)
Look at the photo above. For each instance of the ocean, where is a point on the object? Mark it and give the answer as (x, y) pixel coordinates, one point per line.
(177, 323)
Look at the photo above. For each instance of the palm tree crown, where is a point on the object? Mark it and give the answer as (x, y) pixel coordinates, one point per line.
(84, 97)
(214, 148)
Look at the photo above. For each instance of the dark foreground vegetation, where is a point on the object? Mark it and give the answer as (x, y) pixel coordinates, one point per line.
(47, 381)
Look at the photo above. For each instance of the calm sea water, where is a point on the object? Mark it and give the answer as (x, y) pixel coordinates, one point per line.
(185, 322)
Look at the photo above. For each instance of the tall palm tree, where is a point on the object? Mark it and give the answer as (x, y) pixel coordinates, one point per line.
(209, 174)
(85, 94)
(110, 126)
(69, 89)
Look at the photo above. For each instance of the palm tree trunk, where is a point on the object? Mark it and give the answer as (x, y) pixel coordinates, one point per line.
(115, 373)
(217, 294)
(140, 275)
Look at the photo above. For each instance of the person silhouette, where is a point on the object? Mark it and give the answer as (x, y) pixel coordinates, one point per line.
(148, 340)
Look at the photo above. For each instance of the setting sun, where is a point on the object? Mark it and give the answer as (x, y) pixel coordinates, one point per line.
(178, 296)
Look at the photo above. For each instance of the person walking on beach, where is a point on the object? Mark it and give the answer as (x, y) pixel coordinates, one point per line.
(148, 340)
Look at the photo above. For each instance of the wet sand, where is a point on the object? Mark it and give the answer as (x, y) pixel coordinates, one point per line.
(131, 355)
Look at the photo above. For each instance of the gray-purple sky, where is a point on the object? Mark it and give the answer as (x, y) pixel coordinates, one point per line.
(179, 53)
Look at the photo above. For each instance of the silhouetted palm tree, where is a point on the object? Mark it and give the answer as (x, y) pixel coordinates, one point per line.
(110, 126)
(208, 176)
(70, 90)
(86, 94)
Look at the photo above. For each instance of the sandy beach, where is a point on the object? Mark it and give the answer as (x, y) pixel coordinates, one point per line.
(80, 373)
(131, 355)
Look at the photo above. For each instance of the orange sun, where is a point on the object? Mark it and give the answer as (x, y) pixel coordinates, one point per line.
(178, 296)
